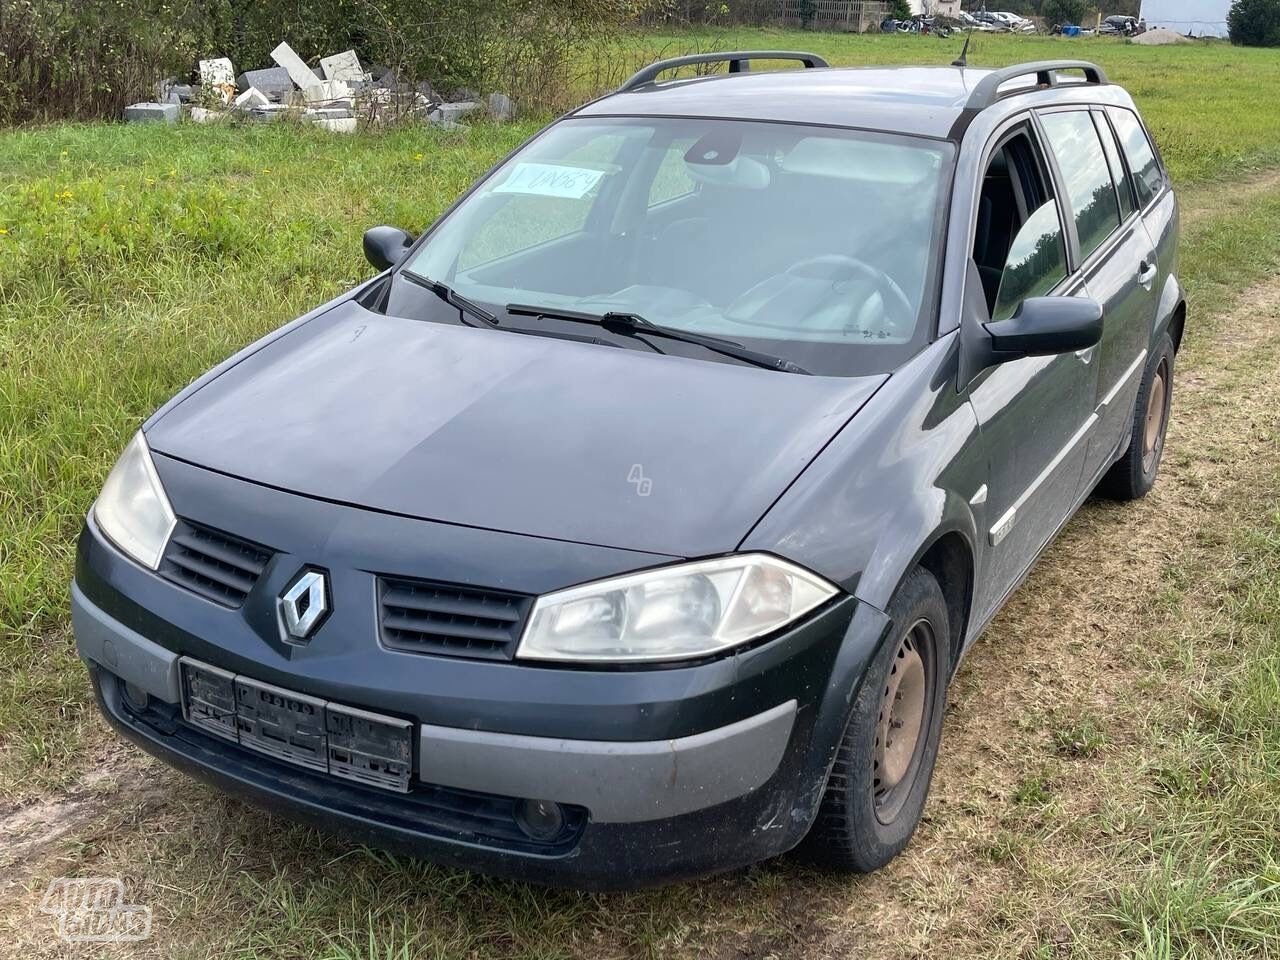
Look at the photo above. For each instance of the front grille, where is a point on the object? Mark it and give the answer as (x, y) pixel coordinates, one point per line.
(215, 565)
(418, 616)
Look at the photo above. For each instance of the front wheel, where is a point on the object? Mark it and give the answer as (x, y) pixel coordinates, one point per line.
(878, 784)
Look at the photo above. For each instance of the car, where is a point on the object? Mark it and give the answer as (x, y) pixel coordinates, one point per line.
(1119, 26)
(1014, 22)
(991, 20)
(630, 523)
(968, 21)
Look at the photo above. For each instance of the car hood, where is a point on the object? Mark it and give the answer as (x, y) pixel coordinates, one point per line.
(511, 432)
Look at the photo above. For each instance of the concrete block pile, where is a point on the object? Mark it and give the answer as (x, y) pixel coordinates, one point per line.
(334, 95)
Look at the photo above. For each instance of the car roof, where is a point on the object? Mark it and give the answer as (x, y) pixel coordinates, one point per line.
(914, 100)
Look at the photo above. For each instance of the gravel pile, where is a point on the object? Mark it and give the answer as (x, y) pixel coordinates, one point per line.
(1159, 37)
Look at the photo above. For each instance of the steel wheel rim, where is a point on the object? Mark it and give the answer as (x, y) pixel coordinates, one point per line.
(903, 722)
(1153, 429)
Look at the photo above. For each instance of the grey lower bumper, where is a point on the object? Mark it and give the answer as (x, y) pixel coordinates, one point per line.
(126, 653)
(617, 781)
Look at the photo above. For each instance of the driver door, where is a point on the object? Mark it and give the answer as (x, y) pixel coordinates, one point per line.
(1035, 413)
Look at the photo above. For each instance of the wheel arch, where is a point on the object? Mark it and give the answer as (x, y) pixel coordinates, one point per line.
(1171, 313)
(1176, 324)
(949, 557)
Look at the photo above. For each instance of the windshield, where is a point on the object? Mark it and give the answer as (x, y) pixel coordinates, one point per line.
(813, 244)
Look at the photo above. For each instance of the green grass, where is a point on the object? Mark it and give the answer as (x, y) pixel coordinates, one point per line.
(133, 258)
(1213, 886)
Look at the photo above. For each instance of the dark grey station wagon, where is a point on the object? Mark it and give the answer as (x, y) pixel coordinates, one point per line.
(631, 522)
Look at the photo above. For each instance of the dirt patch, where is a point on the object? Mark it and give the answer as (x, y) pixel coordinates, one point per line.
(34, 833)
(1207, 200)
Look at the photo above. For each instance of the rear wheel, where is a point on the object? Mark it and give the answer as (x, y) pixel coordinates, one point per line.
(878, 785)
(1134, 474)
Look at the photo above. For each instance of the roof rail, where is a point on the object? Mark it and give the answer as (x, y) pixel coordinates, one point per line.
(987, 90)
(739, 62)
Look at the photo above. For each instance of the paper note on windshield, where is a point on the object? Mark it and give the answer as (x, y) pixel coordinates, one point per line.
(550, 180)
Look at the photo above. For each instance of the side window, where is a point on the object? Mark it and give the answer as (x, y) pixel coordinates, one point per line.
(1019, 246)
(1090, 192)
(1036, 264)
(542, 202)
(672, 180)
(1124, 189)
(1147, 177)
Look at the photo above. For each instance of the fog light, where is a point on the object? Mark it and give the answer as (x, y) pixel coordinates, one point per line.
(137, 698)
(540, 819)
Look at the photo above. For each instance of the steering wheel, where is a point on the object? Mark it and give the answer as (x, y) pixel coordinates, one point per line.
(900, 315)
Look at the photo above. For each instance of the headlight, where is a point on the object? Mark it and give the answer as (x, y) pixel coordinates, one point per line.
(132, 509)
(672, 613)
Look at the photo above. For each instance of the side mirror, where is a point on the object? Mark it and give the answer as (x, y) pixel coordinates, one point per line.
(385, 247)
(1043, 326)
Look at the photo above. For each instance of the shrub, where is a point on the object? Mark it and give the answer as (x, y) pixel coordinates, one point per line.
(1063, 11)
(1255, 23)
(81, 59)
(84, 59)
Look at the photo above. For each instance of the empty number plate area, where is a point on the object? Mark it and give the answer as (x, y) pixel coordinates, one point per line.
(343, 741)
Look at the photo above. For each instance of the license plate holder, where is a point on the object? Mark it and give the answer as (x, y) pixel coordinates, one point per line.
(345, 742)
(280, 723)
(369, 748)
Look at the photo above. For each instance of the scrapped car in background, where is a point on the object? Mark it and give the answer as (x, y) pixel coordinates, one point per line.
(1120, 26)
(1015, 23)
(631, 522)
(967, 21)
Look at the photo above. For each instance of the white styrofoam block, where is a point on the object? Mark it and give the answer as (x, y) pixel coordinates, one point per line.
(219, 75)
(455, 111)
(150, 111)
(342, 125)
(343, 66)
(253, 97)
(205, 115)
(217, 70)
(501, 107)
(299, 72)
(322, 91)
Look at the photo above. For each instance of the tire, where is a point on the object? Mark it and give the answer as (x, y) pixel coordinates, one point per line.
(1134, 474)
(861, 823)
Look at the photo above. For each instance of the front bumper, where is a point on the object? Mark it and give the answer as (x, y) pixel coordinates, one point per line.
(664, 773)
(663, 778)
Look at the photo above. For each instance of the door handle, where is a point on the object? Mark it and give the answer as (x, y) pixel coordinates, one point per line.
(1146, 273)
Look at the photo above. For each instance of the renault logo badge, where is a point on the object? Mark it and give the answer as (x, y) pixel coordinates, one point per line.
(305, 604)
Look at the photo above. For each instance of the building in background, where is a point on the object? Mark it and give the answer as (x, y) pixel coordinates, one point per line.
(935, 8)
(1196, 18)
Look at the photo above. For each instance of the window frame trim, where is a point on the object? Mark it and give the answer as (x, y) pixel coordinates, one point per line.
(1100, 117)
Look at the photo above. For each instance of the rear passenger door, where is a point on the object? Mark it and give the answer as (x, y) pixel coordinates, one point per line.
(1117, 263)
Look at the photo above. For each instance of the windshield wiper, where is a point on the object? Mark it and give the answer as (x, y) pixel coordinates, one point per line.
(468, 308)
(633, 324)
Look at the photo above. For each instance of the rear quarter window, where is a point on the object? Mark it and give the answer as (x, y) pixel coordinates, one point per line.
(1147, 175)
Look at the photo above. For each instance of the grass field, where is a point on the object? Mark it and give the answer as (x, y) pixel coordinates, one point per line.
(1111, 775)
